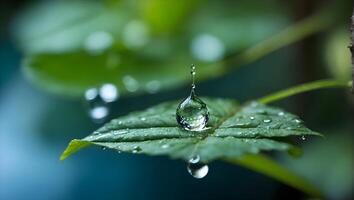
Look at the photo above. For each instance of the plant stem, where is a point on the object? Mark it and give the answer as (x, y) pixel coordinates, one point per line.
(271, 168)
(304, 88)
(294, 33)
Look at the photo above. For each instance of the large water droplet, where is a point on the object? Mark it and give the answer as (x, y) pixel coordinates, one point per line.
(192, 113)
(196, 168)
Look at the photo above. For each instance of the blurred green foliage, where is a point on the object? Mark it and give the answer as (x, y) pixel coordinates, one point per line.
(73, 46)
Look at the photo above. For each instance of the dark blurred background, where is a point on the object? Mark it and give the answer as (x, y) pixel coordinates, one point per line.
(37, 122)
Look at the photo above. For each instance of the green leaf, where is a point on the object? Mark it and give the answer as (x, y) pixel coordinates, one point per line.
(71, 74)
(232, 132)
(63, 26)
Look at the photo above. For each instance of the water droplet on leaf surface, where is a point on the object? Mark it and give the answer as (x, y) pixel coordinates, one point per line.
(196, 168)
(192, 113)
(267, 120)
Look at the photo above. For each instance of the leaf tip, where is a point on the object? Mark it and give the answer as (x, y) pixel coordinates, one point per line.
(74, 146)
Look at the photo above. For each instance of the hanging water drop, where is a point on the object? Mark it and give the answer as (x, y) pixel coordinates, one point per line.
(136, 149)
(192, 113)
(196, 168)
(303, 138)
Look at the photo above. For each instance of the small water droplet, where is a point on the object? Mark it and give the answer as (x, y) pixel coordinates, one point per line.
(281, 113)
(136, 149)
(103, 148)
(303, 138)
(165, 146)
(142, 118)
(196, 168)
(252, 118)
(267, 120)
(298, 121)
(192, 113)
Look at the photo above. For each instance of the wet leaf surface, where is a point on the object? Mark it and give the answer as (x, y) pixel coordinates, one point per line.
(233, 131)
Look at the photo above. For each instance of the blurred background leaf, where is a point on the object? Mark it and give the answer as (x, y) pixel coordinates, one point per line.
(105, 43)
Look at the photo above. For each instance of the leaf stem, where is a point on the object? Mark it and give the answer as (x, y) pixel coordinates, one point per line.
(271, 168)
(304, 88)
(318, 22)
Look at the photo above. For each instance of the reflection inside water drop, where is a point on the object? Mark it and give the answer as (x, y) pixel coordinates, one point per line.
(196, 168)
(303, 138)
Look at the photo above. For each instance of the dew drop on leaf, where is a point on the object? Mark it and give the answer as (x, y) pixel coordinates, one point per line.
(267, 120)
(192, 113)
(196, 168)
(281, 113)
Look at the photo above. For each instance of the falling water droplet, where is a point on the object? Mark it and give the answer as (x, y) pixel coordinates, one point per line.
(252, 118)
(196, 168)
(303, 138)
(192, 113)
(165, 146)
